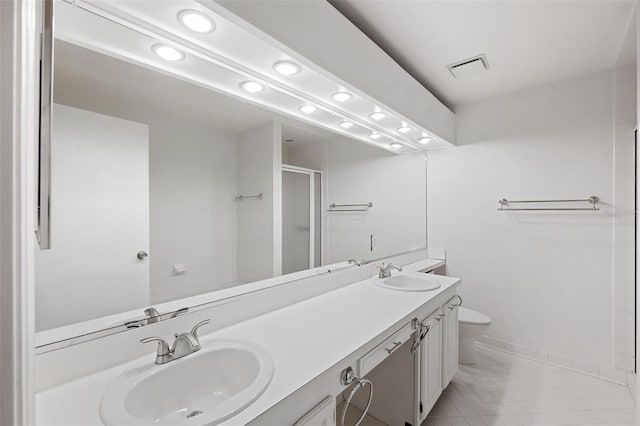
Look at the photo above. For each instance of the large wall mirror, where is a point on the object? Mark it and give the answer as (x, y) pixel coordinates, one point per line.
(163, 188)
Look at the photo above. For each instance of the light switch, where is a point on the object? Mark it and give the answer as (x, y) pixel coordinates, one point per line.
(179, 269)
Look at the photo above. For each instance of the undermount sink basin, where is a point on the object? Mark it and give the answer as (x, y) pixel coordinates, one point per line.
(415, 281)
(203, 388)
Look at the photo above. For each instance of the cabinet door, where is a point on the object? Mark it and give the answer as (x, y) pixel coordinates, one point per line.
(450, 342)
(430, 367)
(323, 414)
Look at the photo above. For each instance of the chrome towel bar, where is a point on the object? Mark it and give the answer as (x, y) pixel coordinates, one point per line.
(341, 207)
(244, 197)
(593, 200)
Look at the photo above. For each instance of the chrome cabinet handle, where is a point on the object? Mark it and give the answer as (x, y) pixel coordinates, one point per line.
(142, 255)
(393, 348)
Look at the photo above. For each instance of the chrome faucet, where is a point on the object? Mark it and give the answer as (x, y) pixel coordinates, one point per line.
(152, 314)
(183, 345)
(385, 271)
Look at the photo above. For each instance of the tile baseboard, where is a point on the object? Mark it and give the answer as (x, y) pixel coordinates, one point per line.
(609, 374)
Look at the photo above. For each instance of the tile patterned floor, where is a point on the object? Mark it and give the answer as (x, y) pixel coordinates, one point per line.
(505, 390)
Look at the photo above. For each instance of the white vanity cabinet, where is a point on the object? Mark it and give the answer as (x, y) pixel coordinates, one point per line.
(450, 340)
(430, 363)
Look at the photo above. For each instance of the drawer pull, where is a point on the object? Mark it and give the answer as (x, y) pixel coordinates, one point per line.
(393, 348)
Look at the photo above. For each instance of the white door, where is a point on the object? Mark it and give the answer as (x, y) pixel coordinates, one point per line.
(450, 342)
(99, 220)
(430, 365)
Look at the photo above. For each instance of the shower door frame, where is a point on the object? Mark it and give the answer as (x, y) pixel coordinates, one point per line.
(312, 213)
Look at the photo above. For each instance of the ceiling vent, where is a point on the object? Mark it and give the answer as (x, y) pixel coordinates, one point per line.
(470, 66)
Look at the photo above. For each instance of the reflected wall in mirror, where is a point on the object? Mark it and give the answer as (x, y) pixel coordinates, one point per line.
(164, 189)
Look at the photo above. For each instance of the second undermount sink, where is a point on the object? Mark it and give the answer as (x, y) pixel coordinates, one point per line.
(203, 388)
(415, 281)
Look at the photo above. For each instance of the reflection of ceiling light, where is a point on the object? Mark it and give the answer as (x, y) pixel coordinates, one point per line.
(308, 109)
(395, 145)
(341, 96)
(404, 129)
(167, 53)
(378, 115)
(346, 124)
(424, 140)
(197, 21)
(375, 135)
(252, 86)
(286, 68)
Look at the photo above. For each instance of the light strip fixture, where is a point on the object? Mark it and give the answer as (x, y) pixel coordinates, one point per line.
(254, 81)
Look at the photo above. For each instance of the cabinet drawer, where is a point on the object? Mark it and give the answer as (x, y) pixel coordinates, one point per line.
(383, 350)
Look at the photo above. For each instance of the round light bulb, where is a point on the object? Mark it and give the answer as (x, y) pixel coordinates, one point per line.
(286, 68)
(424, 140)
(378, 115)
(308, 109)
(404, 129)
(252, 86)
(346, 124)
(167, 53)
(375, 136)
(395, 145)
(342, 96)
(196, 21)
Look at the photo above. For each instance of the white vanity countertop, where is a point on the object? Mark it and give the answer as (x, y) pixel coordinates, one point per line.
(305, 340)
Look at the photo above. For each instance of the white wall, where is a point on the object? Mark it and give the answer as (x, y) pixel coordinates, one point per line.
(545, 279)
(624, 244)
(358, 173)
(99, 220)
(259, 171)
(193, 212)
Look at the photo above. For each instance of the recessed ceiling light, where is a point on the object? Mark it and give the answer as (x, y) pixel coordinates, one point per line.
(342, 96)
(395, 145)
(196, 21)
(346, 124)
(308, 109)
(404, 129)
(167, 53)
(375, 135)
(378, 115)
(424, 140)
(286, 68)
(252, 86)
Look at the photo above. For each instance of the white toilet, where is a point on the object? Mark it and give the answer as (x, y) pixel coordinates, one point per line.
(471, 325)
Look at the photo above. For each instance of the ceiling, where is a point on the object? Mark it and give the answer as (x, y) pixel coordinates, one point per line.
(527, 43)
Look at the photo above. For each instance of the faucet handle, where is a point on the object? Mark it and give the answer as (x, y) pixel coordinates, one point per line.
(163, 346)
(194, 330)
(179, 312)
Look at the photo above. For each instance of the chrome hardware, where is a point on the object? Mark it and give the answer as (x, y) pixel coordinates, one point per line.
(385, 271)
(354, 262)
(153, 314)
(341, 207)
(135, 323)
(593, 200)
(142, 255)
(393, 348)
(184, 344)
(244, 197)
(43, 230)
(424, 330)
(347, 377)
(179, 312)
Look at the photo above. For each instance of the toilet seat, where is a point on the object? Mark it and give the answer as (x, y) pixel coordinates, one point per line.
(471, 317)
